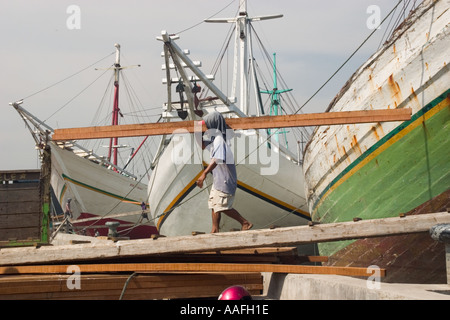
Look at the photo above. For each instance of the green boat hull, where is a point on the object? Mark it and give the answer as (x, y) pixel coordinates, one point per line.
(407, 171)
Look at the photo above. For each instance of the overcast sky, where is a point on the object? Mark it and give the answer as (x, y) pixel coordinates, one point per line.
(39, 49)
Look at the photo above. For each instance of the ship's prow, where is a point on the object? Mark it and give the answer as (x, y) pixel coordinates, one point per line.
(384, 169)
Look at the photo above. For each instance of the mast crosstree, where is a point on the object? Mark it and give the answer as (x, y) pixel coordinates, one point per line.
(243, 57)
(275, 103)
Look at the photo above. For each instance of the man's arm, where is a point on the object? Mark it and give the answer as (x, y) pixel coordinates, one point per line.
(208, 169)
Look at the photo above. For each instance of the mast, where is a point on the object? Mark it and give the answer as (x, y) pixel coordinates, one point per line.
(114, 142)
(275, 104)
(241, 56)
(241, 36)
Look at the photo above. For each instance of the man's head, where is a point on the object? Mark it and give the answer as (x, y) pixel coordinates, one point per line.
(215, 120)
(216, 125)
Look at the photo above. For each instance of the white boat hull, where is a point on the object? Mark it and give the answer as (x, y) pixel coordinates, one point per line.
(95, 190)
(381, 170)
(270, 194)
(411, 72)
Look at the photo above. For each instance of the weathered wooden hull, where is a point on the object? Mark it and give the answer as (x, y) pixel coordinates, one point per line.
(100, 193)
(270, 190)
(384, 169)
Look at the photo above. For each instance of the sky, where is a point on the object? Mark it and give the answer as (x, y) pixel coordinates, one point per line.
(47, 41)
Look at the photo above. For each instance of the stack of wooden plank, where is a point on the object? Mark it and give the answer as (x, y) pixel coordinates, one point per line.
(111, 286)
(187, 266)
(170, 276)
(177, 276)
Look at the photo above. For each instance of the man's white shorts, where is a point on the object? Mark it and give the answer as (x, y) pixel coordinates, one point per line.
(220, 201)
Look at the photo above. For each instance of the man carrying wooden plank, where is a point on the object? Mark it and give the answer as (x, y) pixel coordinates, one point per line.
(223, 169)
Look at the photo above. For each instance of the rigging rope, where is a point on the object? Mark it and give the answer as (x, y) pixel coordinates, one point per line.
(56, 83)
(397, 21)
(265, 141)
(121, 200)
(291, 98)
(67, 103)
(298, 110)
(348, 59)
(199, 23)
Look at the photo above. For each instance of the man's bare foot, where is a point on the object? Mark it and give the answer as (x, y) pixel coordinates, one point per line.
(247, 226)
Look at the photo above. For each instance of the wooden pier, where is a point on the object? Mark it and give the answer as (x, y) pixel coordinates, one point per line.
(224, 241)
(162, 268)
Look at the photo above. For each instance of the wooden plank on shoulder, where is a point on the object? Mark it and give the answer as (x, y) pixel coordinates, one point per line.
(263, 122)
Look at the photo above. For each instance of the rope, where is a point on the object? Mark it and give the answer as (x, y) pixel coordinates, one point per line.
(118, 202)
(78, 94)
(199, 23)
(126, 284)
(326, 82)
(348, 59)
(301, 107)
(56, 83)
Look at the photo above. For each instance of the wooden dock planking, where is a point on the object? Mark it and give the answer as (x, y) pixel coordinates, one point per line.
(223, 241)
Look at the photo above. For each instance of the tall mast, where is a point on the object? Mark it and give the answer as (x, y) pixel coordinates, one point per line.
(114, 142)
(275, 104)
(241, 55)
(241, 36)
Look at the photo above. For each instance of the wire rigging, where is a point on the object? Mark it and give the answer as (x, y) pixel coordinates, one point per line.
(348, 59)
(73, 98)
(290, 97)
(67, 78)
(199, 23)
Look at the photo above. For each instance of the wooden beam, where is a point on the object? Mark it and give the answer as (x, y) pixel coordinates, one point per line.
(264, 122)
(225, 241)
(190, 267)
(114, 286)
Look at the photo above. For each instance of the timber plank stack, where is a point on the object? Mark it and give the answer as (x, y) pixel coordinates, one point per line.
(142, 278)
(107, 265)
(141, 286)
(181, 276)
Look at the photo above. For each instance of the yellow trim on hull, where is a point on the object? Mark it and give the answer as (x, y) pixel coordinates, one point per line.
(413, 125)
(261, 194)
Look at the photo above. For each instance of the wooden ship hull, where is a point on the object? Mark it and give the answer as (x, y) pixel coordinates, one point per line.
(180, 207)
(98, 195)
(270, 179)
(386, 169)
(99, 189)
